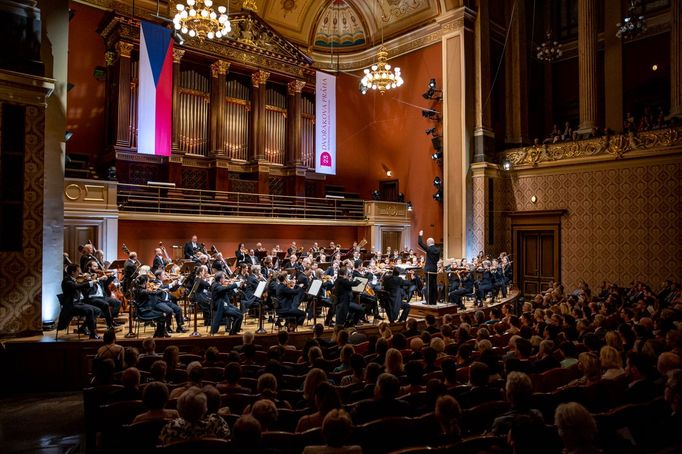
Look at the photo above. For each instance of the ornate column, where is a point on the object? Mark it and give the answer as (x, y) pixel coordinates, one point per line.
(516, 74)
(458, 125)
(177, 56)
(257, 130)
(675, 58)
(484, 137)
(218, 71)
(123, 132)
(294, 89)
(587, 64)
(613, 64)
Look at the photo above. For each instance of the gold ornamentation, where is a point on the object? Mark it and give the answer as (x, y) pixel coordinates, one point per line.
(250, 5)
(178, 54)
(109, 58)
(124, 49)
(220, 68)
(259, 78)
(616, 145)
(295, 86)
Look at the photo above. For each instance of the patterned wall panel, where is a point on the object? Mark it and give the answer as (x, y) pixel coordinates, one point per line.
(193, 178)
(20, 272)
(480, 189)
(276, 185)
(142, 173)
(623, 223)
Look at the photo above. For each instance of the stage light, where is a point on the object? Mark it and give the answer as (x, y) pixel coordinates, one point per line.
(437, 182)
(432, 83)
(363, 88)
(437, 155)
(177, 37)
(431, 92)
(437, 143)
(506, 165)
(409, 207)
(376, 195)
(430, 131)
(401, 197)
(68, 135)
(389, 173)
(438, 196)
(431, 114)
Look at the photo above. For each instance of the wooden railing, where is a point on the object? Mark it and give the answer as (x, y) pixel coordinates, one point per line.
(179, 201)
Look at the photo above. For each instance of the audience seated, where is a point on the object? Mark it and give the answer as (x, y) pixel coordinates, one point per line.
(230, 383)
(577, 428)
(194, 422)
(326, 400)
(155, 396)
(384, 403)
(336, 430)
(448, 414)
(111, 350)
(519, 390)
(195, 373)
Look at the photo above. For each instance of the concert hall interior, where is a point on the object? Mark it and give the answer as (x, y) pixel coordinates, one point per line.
(382, 226)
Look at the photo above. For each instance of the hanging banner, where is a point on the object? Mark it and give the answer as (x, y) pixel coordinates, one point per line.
(325, 124)
(155, 93)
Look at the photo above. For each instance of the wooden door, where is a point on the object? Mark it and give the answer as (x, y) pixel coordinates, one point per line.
(389, 190)
(537, 262)
(390, 238)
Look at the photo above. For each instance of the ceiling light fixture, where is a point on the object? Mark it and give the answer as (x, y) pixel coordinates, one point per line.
(381, 76)
(197, 19)
(633, 24)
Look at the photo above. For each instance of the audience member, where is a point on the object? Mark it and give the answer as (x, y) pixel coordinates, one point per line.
(576, 427)
(384, 403)
(336, 430)
(155, 397)
(193, 422)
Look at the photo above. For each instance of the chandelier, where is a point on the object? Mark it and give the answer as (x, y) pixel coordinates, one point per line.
(549, 50)
(632, 25)
(198, 19)
(381, 76)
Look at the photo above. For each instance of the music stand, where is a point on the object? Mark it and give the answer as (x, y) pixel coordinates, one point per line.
(258, 293)
(314, 291)
(117, 264)
(188, 267)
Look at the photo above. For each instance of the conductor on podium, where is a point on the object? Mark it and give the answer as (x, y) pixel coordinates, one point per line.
(430, 267)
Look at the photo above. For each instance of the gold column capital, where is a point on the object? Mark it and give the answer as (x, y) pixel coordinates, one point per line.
(259, 78)
(295, 86)
(178, 54)
(124, 49)
(109, 58)
(219, 68)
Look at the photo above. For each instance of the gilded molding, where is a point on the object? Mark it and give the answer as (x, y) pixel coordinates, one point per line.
(295, 86)
(24, 88)
(220, 68)
(109, 58)
(616, 146)
(124, 49)
(259, 78)
(178, 54)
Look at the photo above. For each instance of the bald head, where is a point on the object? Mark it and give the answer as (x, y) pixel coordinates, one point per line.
(430, 242)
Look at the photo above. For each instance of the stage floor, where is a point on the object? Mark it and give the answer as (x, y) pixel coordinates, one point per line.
(418, 310)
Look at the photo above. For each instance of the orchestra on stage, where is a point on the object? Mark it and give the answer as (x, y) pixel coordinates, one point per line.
(345, 286)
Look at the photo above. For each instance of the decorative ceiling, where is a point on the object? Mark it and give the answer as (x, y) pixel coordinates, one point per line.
(348, 25)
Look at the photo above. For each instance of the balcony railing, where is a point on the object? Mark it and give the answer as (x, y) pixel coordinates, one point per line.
(193, 202)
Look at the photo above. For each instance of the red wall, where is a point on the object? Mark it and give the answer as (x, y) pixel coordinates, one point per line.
(144, 236)
(376, 130)
(85, 114)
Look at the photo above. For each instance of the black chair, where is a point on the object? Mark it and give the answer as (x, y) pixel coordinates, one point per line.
(65, 323)
(141, 437)
(203, 445)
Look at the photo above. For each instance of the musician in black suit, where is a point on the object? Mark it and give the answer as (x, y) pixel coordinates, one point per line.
(348, 312)
(221, 292)
(165, 302)
(392, 284)
(252, 259)
(240, 253)
(129, 269)
(202, 295)
(73, 302)
(292, 249)
(251, 282)
(431, 266)
(160, 261)
(87, 255)
(462, 285)
(146, 301)
(191, 247)
(485, 284)
(97, 295)
(499, 280)
(289, 299)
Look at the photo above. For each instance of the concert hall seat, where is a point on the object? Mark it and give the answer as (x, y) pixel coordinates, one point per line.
(140, 437)
(214, 374)
(203, 445)
(481, 443)
(186, 358)
(237, 402)
(115, 416)
(283, 442)
(631, 424)
(145, 362)
(288, 419)
(93, 399)
(248, 382)
(388, 434)
(346, 391)
(463, 374)
(290, 395)
(476, 420)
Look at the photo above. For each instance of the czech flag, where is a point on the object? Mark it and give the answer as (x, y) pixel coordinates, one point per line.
(155, 90)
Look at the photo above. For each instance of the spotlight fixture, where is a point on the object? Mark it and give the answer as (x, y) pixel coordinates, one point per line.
(363, 88)
(633, 24)
(437, 182)
(506, 165)
(431, 92)
(437, 143)
(431, 131)
(177, 37)
(376, 195)
(432, 83)
(438, 196)
(437, 155)
(68, 135)
(409, 207)
(401, 197)
(431, 114)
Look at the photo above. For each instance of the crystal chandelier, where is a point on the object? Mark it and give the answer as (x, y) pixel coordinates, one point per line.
(632, 25)
(381, 76)
(198, 19)
(549, 50)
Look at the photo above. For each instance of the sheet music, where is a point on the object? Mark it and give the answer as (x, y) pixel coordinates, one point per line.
(260, 289)
(361, 286)
(314, 289)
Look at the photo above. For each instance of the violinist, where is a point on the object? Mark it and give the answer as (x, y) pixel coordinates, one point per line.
(260, 248)
(97, 295)
(251, 281)
(368, 298)
(485, 284)
(129, 270)
(292, 249)
(221, 292)
(499, 280)
(315, 248)
(165, 302)
(219, 264)
(348, 312)
(73, 302)
(201, 295)
(392, 283)
(322, 298)
(252, 259)
(333, 270)
(146, 298)
(87, 255)
(462, 285)
(160, 261)
(289, 299)
(240, 253)
(267, 269)
(506, 268)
